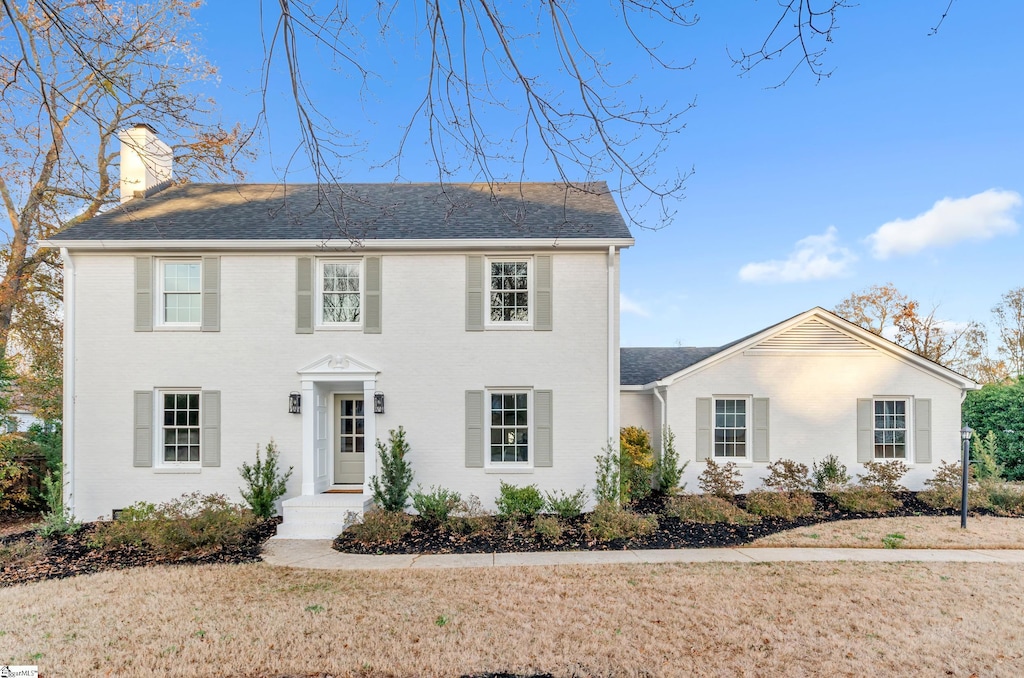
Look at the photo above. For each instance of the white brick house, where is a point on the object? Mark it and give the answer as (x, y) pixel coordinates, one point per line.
(195, 315)
(810, 386)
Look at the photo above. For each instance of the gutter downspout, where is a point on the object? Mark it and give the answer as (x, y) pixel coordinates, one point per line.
(613, 387)
(664, 426)
(68, 451)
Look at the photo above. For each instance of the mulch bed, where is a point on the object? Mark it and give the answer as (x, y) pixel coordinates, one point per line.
(672, 533)
(62, 556)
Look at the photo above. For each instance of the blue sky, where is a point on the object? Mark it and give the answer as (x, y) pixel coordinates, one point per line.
(905, 166)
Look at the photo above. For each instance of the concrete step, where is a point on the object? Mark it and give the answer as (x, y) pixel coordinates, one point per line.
(320, 516)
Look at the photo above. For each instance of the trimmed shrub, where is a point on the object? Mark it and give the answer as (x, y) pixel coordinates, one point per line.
(786, 475)
(667, 470)
(1004, 499)
(636, 463)
(391, 490)
(606, 487)
(609, 521)
(943, 489)
(380, 527)
(548, 527)
(699, 508)
(519, 502)
(787, 505)
(720, 480)
(865, 499)
(264, 482)
(884, 474)
(566, 505)
(436, 505)
(830, 476)
(192, 525)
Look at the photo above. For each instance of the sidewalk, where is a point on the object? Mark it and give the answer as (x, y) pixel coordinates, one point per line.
(318, 555)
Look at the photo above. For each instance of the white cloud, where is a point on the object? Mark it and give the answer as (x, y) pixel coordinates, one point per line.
(979, 217)
(627, 305)
(816, 257)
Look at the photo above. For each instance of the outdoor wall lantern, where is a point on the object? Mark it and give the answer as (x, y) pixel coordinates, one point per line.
(294, 403)
(378, 403)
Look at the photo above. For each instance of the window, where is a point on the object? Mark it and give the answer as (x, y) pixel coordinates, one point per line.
(509, 291)
(180, 293)
(731, 428)
(890, 429)
(510, 427)
(180, 436)
(340, 297)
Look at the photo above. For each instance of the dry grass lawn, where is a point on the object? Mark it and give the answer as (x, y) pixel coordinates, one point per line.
(943, 532)
(792, 619)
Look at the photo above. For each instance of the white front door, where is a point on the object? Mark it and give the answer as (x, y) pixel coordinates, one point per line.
(349, 440)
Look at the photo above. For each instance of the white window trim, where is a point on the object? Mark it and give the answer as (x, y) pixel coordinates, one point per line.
(510, 466)
(159, 464)
(908, 421)
(749, 413)
(319, 291)
(158, 307)
(530, 290)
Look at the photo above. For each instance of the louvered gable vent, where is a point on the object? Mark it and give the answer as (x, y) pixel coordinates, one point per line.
(812, 335)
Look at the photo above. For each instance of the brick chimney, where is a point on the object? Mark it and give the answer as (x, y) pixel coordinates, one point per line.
(146, 162)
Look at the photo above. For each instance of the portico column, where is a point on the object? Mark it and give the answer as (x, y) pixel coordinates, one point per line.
(308, 437)
(369, 435)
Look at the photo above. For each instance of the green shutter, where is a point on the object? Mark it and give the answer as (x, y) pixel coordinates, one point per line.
(143, 294)
(542, 439)
(474, 429)
(304, 295)
(760, 429)
(474, 293)
(923, 430)
(865, 429)
(542, 282)
(210, 442)
(143, 453)
(703, 429)
(211, 294)
(372, 312)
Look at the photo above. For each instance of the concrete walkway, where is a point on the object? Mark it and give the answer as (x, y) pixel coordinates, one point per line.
(318, 555)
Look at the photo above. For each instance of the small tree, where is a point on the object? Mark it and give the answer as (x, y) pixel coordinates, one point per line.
(668, 471)
(606, 487)
(985, 464)
(722, 481)
(264, 481)
(391, 488)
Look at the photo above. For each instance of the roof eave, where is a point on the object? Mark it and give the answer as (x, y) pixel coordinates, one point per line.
(344, 244)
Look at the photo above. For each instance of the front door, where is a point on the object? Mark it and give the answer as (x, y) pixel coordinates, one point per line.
(349, 440)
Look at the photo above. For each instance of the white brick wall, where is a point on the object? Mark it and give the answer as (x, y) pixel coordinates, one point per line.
(813, 407)
(427, 361)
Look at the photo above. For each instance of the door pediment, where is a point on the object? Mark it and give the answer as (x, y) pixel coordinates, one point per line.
(339, 367)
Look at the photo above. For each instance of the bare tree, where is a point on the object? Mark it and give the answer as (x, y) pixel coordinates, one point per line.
(884, 310)
(72, 73)
(1009, 315)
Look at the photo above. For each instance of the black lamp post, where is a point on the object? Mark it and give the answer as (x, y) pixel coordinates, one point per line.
(965, 463)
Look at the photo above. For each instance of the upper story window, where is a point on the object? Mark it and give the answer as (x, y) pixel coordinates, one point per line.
(890, 428)
(731, 428)
(509, 291)
(340, 292)
(180, 292)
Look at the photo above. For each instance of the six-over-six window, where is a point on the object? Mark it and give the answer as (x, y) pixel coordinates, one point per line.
(510, 430)
(890, 429)
(340, 292)
(731, 427)
(181, 432)
(180, 292)
(509, 291)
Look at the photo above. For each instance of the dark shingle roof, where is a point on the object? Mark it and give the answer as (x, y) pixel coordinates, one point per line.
(638, 366)
(358, 212)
